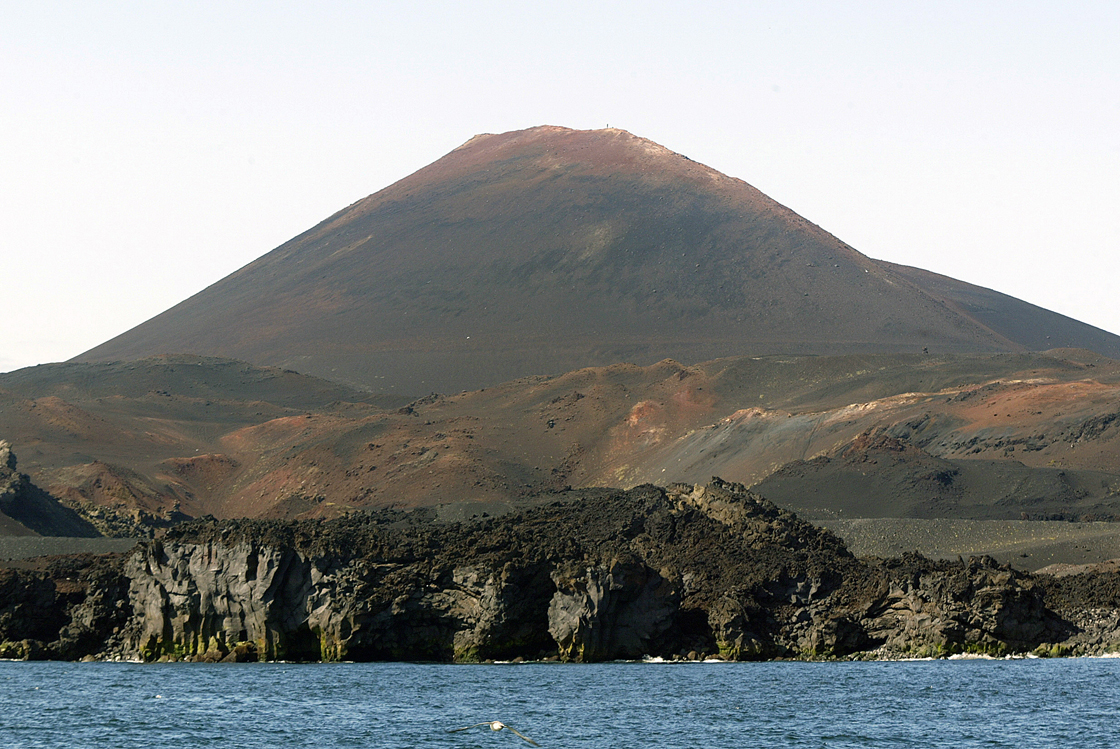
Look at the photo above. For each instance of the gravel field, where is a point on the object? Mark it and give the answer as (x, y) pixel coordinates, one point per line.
(1026, 544)
(23, 547)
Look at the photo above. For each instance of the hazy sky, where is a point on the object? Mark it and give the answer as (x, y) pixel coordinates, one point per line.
(150, 148)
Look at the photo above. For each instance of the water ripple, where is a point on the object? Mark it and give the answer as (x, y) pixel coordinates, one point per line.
(931, 704)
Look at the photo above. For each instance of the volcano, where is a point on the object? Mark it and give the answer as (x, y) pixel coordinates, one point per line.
(547, 250)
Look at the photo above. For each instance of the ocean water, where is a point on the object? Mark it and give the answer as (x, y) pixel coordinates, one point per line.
(1019, 703)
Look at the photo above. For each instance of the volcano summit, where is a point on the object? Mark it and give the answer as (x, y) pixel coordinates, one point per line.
(546, 250)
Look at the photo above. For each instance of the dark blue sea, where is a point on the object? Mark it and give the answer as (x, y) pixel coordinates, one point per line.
(1018, 703)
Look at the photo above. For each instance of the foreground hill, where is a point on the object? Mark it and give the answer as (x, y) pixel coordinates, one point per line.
(136, 445)
(977, 437)
(548, 250)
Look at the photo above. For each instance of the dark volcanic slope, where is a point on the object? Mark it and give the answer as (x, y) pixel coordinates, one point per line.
(1033, 327)
(546, 250)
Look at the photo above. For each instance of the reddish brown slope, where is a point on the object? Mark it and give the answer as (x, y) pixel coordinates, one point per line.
(958, 436)
(142, 440)
(547, 250)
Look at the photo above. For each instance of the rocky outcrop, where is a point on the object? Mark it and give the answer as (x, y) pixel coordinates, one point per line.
(682, 572)
(33, 508)
(68, 608)
(932, 608)
(194, 599)
(1089, 600)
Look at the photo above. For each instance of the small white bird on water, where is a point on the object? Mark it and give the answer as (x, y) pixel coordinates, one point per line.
(495, 725)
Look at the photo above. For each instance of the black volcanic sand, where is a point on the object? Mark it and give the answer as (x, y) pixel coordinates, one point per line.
(200, 377)
(923, 486)
(1027, 545)
(28, 547)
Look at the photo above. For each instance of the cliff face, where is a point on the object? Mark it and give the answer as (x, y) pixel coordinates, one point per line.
(204, 599)
(595, 576)
(687, 571)
(615, 610)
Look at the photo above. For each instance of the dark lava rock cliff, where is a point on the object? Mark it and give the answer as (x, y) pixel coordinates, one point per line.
(684, 571)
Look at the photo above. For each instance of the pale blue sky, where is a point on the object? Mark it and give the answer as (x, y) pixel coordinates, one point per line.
(150, 148)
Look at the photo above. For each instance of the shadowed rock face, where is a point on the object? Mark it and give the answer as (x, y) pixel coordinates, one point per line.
(546, 250)
(680, 572)
(25, 509)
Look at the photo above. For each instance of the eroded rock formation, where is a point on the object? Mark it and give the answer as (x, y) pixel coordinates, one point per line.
(33, 510)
